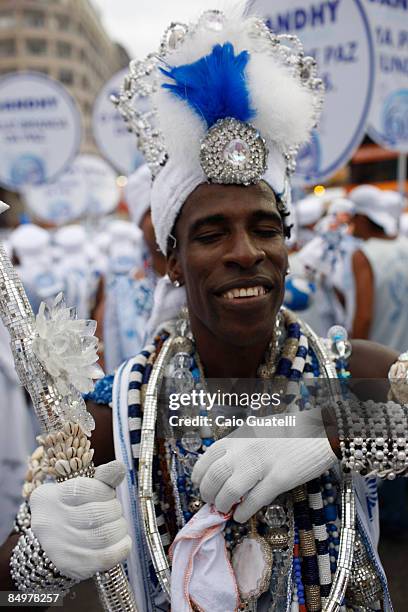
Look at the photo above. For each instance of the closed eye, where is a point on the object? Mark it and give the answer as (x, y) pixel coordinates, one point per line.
(209, 237)
(268, 232)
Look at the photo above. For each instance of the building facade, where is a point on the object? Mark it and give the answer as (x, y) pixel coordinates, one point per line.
(65, 40)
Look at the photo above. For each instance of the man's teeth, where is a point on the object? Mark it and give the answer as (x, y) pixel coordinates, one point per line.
(233, 294)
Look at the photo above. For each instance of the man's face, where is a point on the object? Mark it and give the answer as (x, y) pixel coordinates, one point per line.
(232, 258)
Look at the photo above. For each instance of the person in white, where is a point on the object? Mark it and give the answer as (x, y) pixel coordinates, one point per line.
(77, 277)
(121, 333)
(380, 269)
(31, 245)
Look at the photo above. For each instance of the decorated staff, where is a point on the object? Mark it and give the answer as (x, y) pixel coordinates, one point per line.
(55, 358)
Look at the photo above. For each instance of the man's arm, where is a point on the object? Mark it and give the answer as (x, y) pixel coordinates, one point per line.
(364, 283)
(371, 360)
(102, 443)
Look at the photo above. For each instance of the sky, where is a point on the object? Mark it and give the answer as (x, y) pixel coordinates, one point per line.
(139, 24)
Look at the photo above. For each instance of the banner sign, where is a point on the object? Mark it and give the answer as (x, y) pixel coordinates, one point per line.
(102, 190)
(337, 34)
(62, 201)
(388, 119)
(114, 140)
(40, 129)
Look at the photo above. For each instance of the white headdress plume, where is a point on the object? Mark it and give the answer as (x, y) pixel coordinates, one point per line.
(230, 102)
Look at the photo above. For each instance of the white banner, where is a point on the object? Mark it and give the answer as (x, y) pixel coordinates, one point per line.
(388, 119)
(40, 129)
(114, 140)
(62, 201)
(102, 189)
(337, 34)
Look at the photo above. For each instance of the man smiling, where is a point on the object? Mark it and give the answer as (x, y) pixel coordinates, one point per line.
(232, 258)
(233, 104)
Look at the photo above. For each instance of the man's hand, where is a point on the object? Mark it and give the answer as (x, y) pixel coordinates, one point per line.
(252, 471)
(79, 522)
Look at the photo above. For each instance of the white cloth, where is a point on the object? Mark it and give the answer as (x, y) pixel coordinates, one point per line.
(393, 201)
(129, 291)
(36, 270)
(389, 262)
(137, 193)
(137, 564)
(404, 224)
(370, 202)
(29, 239)
(320, 313)
(70, 237)
(78, 278)
(125, 230)
(341, 205)
(87, 533)
(201, 570)
(167, 303)
(309, 210)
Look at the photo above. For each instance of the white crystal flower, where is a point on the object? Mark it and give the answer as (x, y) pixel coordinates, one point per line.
(66, 347)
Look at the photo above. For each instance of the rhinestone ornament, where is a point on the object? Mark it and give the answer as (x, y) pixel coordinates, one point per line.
(212, 20)
(233, 152)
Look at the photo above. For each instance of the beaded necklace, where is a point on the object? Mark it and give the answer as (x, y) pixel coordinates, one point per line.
(311, 573)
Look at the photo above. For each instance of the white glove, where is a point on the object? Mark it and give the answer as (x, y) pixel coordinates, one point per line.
(248, 465)
(79, 522)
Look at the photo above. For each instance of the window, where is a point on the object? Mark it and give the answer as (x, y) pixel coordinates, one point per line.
(36, 46)
(7, 47)
(42, 69)
(34, 19)
(63, 22)
(64, 49)
(66, 76)
(7, 20)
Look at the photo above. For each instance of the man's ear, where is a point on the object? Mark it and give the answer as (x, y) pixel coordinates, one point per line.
(173, 267)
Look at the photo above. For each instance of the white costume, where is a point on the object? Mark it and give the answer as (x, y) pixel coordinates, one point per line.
(32, 246)
(130, 284)
(388, 259)
(78, 278)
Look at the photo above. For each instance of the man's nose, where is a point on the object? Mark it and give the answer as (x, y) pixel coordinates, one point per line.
(243, 251)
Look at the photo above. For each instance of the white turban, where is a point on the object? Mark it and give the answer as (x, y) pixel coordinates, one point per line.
(284, 112)
(309, 210)
(370, 201)
(29, 239)
(137, 193)
(71, 238)
(341, 205)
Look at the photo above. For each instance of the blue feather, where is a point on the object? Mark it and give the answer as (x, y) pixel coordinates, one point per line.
(215, 85)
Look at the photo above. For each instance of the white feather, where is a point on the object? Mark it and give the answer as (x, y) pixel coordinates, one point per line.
(284, 107)
(285, 112)
(182, 128)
